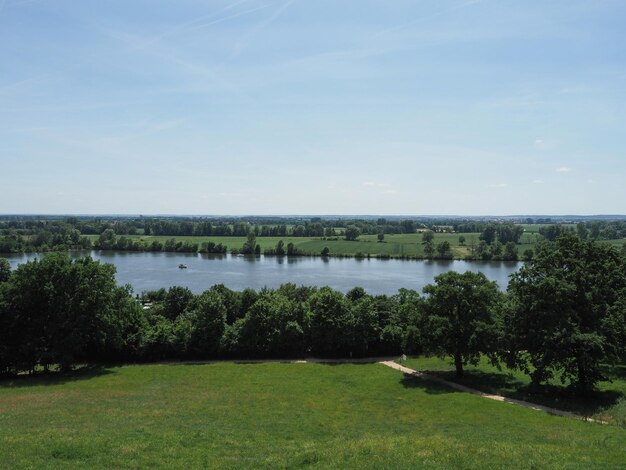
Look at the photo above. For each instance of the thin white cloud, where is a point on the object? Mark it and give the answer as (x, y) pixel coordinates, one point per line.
(547, 144)
(382, 188)
(426, 18)
(564, 169)
(538, 182)
(376, 185)
(243, 40)
(498, 185)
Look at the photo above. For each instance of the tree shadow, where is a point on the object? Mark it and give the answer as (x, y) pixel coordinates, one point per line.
(428, 386)
(557, 396)
(55, 378)
(490, 382)
(616, 372)
(566, 398)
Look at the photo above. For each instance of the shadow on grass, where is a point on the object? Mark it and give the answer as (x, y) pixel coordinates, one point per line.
(617, 372)
(307, 360)
(556, 396)
(55, 378)
(432, 388)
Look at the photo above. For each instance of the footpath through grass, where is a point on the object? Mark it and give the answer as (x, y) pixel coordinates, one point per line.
(277, 415)
(608, 403)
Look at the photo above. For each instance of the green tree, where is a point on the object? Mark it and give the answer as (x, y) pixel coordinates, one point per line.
(280, 248)
(444, 250)
(381, 237)
(428, 236)
(352, 232)
(462, 240)
(207, 320)
(5, 270)
(60, 311)
(176, 301)
(107, 240)
(460, 318)
(489, 234)
(330, 322)
(510, 252)
(364, 326)
(249, 247)
(429, 250)
(563, 312)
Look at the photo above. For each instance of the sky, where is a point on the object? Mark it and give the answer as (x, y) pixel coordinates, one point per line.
(415, 107)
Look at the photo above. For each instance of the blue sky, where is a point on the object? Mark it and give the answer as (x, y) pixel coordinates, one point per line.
(313, 107)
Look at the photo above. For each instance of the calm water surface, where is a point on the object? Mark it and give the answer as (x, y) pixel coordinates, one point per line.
(147, 271)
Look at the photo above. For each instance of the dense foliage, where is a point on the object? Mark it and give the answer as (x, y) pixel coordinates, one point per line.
(563, 316)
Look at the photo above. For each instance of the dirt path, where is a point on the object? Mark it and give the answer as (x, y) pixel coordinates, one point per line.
(463, 388)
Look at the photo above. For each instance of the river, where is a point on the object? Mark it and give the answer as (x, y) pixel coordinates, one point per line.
(147, 271)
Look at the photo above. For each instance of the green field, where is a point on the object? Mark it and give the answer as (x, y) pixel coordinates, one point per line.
(394, 245)
(608, 403)
(279, 415)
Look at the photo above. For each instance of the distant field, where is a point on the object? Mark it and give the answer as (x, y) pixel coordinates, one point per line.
(393, 245)
(281, 416)
(605, 404)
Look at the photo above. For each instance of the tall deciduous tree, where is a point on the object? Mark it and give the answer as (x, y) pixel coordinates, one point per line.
(352, 232)
(460, 317)
(566, 313)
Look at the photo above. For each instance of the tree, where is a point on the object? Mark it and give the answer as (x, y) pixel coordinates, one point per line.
(429, 250)
(107, 240)
(462, 240)
(444, 250)
(352, 232)
(330, 320)
(176, 301)
(207, 320)
(280, 248)
(59, 311)
(460, 318)
(563, 312)
(489, 234)
(249, 247)
(325, 251)
(381, 237)
(510, 252)
(528, 254)
(5, 270)
(428, 236)
(364, 327)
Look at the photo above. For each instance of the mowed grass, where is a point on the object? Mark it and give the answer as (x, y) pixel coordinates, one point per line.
(397, 246)
(280, 415)
(608, 403)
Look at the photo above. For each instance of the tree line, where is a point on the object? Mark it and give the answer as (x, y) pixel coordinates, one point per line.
(563, 315)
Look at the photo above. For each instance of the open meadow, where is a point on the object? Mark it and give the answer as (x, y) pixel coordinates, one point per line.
(281, 415)
(395, 245)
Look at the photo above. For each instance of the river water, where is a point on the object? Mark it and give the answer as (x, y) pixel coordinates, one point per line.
(147, 271)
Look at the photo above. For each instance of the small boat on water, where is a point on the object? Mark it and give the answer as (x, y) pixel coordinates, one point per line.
(182, 266)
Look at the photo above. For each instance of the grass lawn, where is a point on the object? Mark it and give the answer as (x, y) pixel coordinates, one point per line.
(608, 403)
(277, 415)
